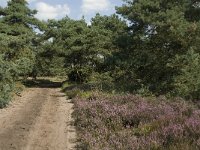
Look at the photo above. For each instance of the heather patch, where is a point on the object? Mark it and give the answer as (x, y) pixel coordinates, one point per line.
(131, 122)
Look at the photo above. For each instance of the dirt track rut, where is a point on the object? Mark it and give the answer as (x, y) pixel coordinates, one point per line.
(39, 120)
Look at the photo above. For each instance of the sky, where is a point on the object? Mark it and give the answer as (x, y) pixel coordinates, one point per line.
(56, 9)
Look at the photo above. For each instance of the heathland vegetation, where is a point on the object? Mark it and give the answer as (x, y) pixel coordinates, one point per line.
(134, 76)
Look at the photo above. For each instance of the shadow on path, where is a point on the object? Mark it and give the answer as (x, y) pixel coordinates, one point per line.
(42, 83)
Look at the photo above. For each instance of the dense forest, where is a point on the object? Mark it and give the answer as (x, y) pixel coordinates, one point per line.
(148, 48)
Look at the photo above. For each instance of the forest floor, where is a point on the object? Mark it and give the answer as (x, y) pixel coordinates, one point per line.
(38, 120)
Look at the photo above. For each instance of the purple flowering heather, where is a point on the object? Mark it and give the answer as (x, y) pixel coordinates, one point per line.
(134, 123)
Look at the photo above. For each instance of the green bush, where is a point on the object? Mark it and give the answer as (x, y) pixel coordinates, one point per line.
(102, 82)
(73, 93)
(79, 75)
(7, 75)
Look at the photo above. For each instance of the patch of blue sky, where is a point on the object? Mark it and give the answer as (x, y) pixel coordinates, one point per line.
(56, 9)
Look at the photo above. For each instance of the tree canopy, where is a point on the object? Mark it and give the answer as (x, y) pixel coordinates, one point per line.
(147, 47)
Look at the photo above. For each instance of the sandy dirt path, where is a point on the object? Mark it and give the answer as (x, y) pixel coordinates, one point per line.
(39, 120)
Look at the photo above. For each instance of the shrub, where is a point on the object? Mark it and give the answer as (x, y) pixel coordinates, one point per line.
(135, 123)
(73, 93)
(79, 75)
(7, 74)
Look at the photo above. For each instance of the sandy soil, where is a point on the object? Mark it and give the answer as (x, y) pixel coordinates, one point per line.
(39, 120)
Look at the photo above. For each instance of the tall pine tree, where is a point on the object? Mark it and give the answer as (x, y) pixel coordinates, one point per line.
(160, 31)
(18, 24)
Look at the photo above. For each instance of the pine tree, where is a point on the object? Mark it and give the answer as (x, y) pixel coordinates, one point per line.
(160, 30)
(17, 53)
(18, 24)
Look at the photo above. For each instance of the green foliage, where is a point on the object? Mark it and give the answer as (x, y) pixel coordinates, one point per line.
(17, 24)
(50, 60)
(17, 53)
(160, 31)
(73, 93)
(79, 45)
(76, 90)
(7, 75)
(79, 75)
(85, 52)
(187, 81)
(154, 52)
(102, 82)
